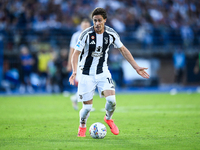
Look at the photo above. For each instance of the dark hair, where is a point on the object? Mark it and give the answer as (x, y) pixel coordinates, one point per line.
(99, 11)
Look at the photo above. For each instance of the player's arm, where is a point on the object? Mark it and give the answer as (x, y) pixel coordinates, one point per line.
(69, 64)
(78, 49)
(71, 51)
(74, 62)
(127, 55)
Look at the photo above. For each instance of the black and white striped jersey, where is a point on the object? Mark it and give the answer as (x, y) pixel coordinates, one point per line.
(94, 49)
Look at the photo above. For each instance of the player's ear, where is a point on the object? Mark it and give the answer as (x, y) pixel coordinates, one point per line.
(105, 20)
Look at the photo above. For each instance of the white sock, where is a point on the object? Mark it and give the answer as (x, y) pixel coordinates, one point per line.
(110, 106)
(84, 114)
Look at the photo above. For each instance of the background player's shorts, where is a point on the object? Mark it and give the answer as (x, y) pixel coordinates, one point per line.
(87, 85)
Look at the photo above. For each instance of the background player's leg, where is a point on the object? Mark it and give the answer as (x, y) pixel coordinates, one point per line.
(74, 99)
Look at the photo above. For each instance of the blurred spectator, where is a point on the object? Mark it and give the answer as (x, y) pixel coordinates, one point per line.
(187, 34)
(62, 74)
(181, 17)
(27, 62)
(142, 23)
(144, 34)
(179, 65)
(118, 24)
(44, 56)
(52, 69)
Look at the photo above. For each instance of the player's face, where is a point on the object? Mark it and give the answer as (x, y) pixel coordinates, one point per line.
(99, 22)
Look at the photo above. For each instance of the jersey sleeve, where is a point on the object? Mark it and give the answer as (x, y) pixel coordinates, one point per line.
(81, 42)
(117, 42)
(73, 40)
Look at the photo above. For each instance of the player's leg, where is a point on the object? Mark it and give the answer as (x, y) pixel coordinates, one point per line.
(110, 108)
(86, 89)
(74, 99)
(106, 89)
(84, 114)
(110, 103)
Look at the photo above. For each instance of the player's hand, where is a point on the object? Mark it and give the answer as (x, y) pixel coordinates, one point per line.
(72, 77)
(141, 71)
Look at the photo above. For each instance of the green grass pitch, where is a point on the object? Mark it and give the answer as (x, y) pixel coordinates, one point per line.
(145, 121)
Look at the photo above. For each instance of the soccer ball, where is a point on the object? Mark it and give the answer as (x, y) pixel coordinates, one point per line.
(98, 130)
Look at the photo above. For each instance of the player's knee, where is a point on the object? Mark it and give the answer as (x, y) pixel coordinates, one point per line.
(86, 109)
(85, 112)
(111, 100)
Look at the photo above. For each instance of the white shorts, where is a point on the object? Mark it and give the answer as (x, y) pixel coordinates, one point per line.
(87, 85)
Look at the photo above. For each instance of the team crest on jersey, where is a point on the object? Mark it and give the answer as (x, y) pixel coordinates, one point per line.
(106, 40)
(98, 52)
(92, 37)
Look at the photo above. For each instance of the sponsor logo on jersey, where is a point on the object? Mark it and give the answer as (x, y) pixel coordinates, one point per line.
(98, 52)
(92, 37)
(93, 42)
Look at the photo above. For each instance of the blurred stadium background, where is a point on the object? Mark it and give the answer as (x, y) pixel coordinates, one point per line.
(163, 35)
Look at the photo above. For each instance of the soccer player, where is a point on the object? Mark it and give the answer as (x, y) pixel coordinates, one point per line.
(85, 23)
(93, 46)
